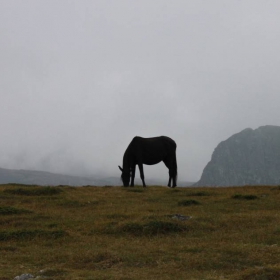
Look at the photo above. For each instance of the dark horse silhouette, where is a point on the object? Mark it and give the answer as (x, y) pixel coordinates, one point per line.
(149, 151)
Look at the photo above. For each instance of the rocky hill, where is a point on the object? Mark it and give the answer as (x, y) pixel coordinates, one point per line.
(251, 157)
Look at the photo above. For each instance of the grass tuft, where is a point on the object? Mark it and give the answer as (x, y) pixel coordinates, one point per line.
(151, 228)
(30, 234)
(132, 228)
(7, 210)
(161, 227)
(95, 260)
(244, 197)
(37, 191)
(51, 272)
(198, 194)
(262, 274)
(188, 202)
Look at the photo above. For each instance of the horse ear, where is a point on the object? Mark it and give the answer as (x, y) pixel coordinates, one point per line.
(120, 169)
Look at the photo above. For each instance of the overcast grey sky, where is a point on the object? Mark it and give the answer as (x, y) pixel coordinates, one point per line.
(79, 79)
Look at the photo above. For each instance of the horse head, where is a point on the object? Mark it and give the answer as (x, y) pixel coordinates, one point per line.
(125, 176)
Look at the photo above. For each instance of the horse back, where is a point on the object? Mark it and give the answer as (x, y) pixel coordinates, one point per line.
(151, 150)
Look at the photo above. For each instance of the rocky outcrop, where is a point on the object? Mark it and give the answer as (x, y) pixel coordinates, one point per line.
(251, 157)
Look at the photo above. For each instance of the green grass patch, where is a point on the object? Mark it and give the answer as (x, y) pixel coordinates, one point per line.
(135, 190)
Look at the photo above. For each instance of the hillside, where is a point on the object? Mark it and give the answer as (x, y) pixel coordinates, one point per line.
(251, 157)
(134, 233)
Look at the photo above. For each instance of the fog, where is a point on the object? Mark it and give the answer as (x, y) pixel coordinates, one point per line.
(80, 79)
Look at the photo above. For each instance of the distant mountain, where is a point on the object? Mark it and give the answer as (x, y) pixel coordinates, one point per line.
(31, 177)
(251, 157)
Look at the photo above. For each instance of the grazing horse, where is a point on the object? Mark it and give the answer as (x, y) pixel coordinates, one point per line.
(149, 151)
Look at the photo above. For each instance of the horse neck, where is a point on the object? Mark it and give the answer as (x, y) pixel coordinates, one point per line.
(126, 161)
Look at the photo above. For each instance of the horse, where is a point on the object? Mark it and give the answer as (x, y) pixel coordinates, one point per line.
(149, 151)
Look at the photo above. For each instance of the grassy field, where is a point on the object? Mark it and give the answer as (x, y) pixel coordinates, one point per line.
(130, 233)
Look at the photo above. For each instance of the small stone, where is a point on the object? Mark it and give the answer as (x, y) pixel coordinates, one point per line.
(181, 217)
(24, 277)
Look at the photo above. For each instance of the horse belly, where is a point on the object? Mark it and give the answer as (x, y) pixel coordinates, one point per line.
(152, 162)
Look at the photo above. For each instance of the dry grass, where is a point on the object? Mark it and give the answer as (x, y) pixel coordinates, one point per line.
(129, 233)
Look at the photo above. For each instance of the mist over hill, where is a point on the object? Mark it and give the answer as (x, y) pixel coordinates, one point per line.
(31, 177)
(250, 157)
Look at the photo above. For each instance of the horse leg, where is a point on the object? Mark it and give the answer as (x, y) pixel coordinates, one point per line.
(174, 164)
(167, 164)
(174, 174)
(142, 174)
(169, 181)
(174, 179)
(132, 176)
